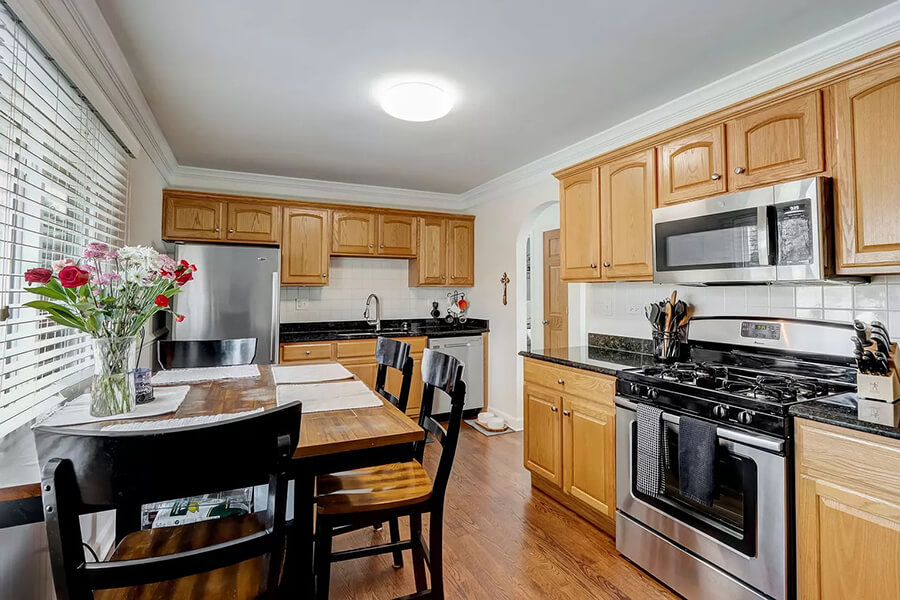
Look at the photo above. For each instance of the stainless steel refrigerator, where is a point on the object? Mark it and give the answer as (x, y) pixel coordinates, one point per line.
(234, 294)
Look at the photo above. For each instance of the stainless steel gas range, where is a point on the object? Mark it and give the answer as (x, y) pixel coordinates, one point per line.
(743, 375)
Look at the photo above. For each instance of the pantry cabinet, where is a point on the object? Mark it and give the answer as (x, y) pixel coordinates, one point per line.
(570, 438)
(867, 190)
(848, 513)
(446, 253)
(579, 216)
(305, 252)
(692, 166)
(627, 200)
(778, 143)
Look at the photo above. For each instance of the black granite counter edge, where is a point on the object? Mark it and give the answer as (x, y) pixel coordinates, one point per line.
(840, 416)
(622, 360)
(347, 330)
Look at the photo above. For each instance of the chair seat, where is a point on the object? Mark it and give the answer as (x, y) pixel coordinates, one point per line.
(235, 582)
(373, 488)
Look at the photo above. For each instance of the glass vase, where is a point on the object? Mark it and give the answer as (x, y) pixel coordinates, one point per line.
(112, 387)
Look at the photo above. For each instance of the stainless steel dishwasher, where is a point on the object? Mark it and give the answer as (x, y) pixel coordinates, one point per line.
(470, 352)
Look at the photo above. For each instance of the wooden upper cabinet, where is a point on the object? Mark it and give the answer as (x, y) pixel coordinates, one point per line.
(304, 254)
(396, 235)
(430, 265)
(692, 166)
(460, 252)
(627, 198)
(353, 232)
(580, 226)
(778, 143)
(193, 218)
(254, 222)
(867, 180)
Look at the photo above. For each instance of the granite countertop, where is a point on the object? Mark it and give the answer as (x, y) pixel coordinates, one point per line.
(841, 411)
(358, 330)
(608, 361)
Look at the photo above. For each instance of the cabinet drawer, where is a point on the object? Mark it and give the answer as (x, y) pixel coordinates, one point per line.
(860, 460)
(355, 349)
(590, 386)
(301, 352)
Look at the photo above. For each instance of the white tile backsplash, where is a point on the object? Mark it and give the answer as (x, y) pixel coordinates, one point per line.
(351, 281)
(608, 304)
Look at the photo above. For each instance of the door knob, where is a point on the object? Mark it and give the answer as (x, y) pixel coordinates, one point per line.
(739, 170)
(716, 177)
(545, 322)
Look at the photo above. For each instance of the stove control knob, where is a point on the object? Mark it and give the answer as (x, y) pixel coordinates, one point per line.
(635, 389)
(745, 417)
(653, 394)
(720, 411)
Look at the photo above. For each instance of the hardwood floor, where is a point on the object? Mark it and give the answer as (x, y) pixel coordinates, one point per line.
(503, 540)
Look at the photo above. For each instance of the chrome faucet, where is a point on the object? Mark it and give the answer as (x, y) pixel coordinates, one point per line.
(377, 321)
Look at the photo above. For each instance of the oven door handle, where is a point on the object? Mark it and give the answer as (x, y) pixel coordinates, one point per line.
(740, 437)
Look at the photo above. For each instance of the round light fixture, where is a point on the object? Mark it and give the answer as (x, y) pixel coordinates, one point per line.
(416, 101)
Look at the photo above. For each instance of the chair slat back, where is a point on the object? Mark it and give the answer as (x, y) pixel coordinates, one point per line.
(394, 354)
(181, 354)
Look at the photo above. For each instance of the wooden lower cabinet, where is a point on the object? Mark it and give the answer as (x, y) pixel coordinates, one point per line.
(570, 438)
(358, 357)
(848, 513)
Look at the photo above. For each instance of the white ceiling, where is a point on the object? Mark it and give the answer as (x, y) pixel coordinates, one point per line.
(283, 87)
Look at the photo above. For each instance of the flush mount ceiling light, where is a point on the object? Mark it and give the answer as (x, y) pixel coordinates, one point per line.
(416, 101)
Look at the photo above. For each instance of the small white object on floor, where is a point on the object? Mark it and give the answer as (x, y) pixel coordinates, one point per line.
(78, 410)
(317, 373)
(176, 423)
(474, 424)
(484, 417)
(495, 424)
(196, 375)
(321, 397)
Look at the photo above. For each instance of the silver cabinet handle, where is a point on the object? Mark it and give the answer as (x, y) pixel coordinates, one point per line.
(560, 381)
(738, 170)
(553, 409)
(716, 177)
(567, 413)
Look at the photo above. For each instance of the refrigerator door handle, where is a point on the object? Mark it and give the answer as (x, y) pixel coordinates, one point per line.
(276, 309)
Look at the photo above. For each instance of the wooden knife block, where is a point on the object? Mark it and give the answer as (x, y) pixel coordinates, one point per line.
(885, 388)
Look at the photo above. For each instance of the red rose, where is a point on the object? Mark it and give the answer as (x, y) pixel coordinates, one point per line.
(184, 278)
(38, 275)
(162, 301)
(73, 277)
(179, 318)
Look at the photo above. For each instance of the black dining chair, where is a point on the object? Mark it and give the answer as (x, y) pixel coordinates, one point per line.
(381, 493)
(183, 354)
(237, 557)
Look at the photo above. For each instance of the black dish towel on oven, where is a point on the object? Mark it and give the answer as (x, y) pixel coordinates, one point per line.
(652, 450)
(697, 459)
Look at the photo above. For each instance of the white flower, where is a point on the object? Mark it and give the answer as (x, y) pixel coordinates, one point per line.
(141, 257)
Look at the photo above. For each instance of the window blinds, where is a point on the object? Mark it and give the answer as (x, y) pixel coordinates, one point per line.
(62, 185)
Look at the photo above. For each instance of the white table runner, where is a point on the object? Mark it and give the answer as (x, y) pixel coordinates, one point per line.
(322, 397)
(196, 375)
(176, 423)
(78, 410)
(310, 373)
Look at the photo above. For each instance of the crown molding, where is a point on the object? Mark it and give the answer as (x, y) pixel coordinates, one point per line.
(293, 188)
(865, 34)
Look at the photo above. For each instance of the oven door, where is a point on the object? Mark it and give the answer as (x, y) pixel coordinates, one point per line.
(744, 532)
(717, 240)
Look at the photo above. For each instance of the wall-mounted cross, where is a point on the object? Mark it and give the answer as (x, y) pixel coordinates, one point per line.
(505, 281)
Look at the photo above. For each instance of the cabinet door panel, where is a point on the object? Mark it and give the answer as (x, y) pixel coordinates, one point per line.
(364, 371)
(353, 231)
(304, 250)
(778, 143)
(543, 448)
(579, 205)
(627, 198)
(189, 218)
(589, 453)
(867, 117)
(692, 167)
(250, 222)
(460, 252)
(396, 235)
(430, 265)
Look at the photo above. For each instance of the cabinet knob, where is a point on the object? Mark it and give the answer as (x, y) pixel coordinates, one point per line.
(324, 274)
(606, 264)
(443, 277)
(554, 409)
(593, 265)
(716, 177)
(231, 231)
(738, 170)
(381, 246)
(309, 351)
(560, 381)
(545, 322)
(217, 229)
(453, 277)
(371, 245)
(566, 413)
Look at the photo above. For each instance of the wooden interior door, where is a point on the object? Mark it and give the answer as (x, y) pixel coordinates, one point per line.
(304, 255)
(627, 199)
(460, 252)
(692, 166)
(430, 265)
(579, 206)
(867, 181)
(254, 222)
(781, 142)
(589, 452)
(396, 235)
(543, 446)
(190, 218)
(556, 294)
(353, 232)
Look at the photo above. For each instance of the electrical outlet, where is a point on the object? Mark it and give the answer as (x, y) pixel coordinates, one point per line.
(606, 307)
(301, 304)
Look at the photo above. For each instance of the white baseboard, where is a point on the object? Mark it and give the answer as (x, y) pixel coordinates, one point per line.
(518, 424)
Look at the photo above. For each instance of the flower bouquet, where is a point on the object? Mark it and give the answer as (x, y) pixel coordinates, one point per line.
(109, 294)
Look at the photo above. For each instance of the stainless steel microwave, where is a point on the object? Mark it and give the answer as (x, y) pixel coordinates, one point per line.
(780, 233)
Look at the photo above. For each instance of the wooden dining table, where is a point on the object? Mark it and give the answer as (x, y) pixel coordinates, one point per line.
(330, 441)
